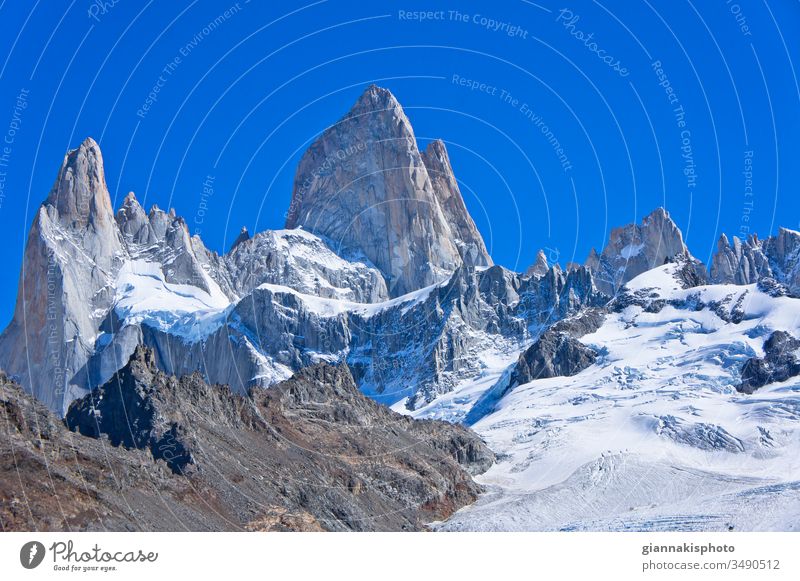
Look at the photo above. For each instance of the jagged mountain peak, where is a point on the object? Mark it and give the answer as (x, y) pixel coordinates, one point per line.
(133, 222)
(437, 148)
(72, 255)
(365, 186)
(375, 98)
(659, 213)
(540, 266)
(80, 194)
(130, 200)
(786, 242)
(380, 115)
(660, 220)
(243, 236)
(445, 186)
(636, 248)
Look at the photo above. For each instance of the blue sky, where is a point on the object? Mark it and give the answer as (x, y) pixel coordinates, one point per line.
(562, 120)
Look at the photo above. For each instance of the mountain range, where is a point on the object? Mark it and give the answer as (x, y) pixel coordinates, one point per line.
(660, 393)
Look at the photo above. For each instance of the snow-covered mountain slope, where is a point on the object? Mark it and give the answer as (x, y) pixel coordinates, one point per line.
(653, 435)
(305, 262)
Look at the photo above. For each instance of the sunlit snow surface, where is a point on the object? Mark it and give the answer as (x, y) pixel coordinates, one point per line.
(144, 297)
(653, 436)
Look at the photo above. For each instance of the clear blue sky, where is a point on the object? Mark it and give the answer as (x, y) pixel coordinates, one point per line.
(240, 99)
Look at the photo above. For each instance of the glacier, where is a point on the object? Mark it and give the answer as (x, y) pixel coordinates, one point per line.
(654, 435)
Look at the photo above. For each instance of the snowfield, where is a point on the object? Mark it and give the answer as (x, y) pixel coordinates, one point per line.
(654, 435)
(145, 297)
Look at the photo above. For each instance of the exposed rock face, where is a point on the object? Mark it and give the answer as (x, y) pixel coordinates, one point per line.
(134, 224)
(467, 238)
(557, 352)
(279, 301)
(73, 253)
(53, 480)
(772, 287)
(443, 336)
(312, 453)
(126, 410)
(540, 266)
(66, 337)
(740, 262)
(282, 300)
(243, 236)
(275, 330)
(162, 237)
(750, 261)
(553, 355)
(634, 249)
(783, 252)
(442, 333)
(365, 186)
(780, 362)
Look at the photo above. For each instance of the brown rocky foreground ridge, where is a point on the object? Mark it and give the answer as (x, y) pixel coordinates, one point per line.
(149, 451)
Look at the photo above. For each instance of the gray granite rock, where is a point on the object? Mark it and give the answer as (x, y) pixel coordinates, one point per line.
(364, 185)
(71, 259)
(311, 453)
(751, 260)
(634, 249)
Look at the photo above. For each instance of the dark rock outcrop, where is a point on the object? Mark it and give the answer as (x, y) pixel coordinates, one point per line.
(557, 352)
(552, 355)
(781, 361)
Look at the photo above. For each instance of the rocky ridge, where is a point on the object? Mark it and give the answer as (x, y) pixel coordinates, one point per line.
(752, 260)
(634, 249)
(781, 361)
(220, 461)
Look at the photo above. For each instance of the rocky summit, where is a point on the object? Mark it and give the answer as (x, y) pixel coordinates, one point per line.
(72, 258)
(391, 264)
(634, 249)
(365, 186)
(751, 260)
